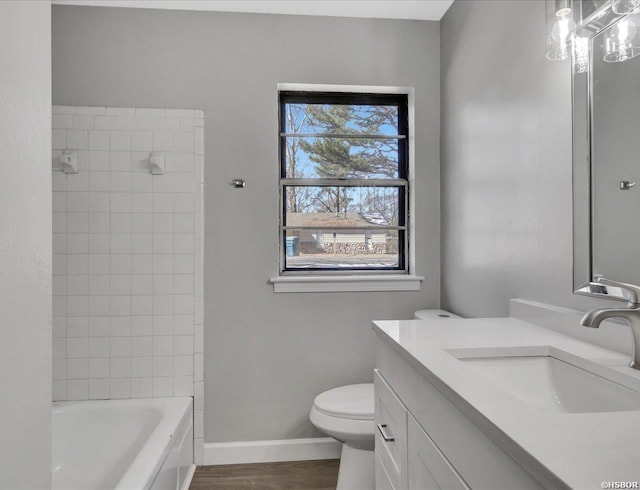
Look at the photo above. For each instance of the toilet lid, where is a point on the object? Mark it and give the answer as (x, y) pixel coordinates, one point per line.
(349, 402)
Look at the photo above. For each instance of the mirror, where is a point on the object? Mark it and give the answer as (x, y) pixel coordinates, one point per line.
(606, 152)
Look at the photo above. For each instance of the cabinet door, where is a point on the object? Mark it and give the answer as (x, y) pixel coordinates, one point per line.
(391, 433)
(427, 467)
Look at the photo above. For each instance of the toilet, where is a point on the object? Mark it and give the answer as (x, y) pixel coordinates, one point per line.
(347, 414)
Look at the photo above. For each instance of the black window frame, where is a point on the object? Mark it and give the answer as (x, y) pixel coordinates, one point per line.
(399, 100)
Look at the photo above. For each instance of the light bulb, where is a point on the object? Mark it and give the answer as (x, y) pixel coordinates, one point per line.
(619, 44)
(580, 54)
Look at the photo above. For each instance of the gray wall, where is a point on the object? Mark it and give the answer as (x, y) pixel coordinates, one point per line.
(267, 354)
(25, 244)
(506, 161)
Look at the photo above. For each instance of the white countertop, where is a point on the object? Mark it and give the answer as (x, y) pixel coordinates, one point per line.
(580, 449)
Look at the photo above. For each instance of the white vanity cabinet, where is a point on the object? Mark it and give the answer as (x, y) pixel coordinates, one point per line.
(424, 442)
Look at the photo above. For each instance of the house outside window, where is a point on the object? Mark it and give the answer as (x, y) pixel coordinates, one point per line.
(344, 184)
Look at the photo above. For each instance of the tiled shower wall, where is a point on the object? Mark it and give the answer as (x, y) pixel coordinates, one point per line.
(128, 256)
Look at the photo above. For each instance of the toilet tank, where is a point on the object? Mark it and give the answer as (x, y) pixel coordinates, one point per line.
(433, 314)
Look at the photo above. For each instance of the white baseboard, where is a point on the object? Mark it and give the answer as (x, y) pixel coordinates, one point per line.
(216, 453)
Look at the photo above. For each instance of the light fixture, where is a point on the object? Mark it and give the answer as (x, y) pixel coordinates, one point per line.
(560, 27)
(580, 54)
(623, 7)
(620, 42)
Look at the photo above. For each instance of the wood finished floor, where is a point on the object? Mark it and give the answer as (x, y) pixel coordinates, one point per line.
(290, 475)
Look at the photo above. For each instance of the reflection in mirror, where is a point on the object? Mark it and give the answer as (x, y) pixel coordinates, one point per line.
(606, 144)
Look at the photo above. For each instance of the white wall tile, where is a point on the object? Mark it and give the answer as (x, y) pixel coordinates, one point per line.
(162, 386)
(142, 325)
(120, 367)
(141, 243)
(120, 161)
(144, 112)
(183, 142)
(143, 366)
(78, 389)
(59, 139)
(77, 139)
(99, 368)
(99, 305)
(91, 110)
(168, 124)
(142, 304)
(99, 347)
(83, 122)
(183, 345)
(142, 202)
(186, 124)
(162, 141)
(106, 122)
(62, 121)
(98, 140)
(162, 323)
(99, 389)
(99, 181)
(77, 368)
(141, 182)
(142, 387)
(183, 386)
(120, 388)
(162, 202)
(163, 366)
(120, 141)
(99, 326)
(120, 347)
(141, 141)
(120, 111)
(181, 113)
(142, 264)
(78, 182)
(147, 123)
(121, 181)
(125, 273)
(142, 347)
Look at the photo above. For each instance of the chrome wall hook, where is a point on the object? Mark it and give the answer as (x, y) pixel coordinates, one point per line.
(625, 185)
(238, 183)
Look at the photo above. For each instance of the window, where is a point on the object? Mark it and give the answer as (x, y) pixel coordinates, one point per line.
(343, 182)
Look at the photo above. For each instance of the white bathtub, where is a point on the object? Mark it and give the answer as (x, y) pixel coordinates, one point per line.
(122, 444)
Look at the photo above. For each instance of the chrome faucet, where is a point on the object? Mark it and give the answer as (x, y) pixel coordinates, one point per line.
(631, 313)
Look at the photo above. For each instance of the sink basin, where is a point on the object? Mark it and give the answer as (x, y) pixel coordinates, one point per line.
(552, 380)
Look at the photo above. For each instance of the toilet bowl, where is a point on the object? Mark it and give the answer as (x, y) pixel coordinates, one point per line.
(347, 414)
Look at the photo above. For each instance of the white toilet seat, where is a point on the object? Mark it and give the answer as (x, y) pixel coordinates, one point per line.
(346, 414)
(347, 402)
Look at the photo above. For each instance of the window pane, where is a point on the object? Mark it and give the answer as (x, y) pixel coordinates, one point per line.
(342, 249)
(340, 119)
(355, 158)
(355, 207)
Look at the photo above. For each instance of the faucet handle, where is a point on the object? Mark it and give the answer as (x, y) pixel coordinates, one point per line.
(631, 290)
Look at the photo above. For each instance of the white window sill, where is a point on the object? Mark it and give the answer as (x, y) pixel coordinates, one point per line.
(333, 284)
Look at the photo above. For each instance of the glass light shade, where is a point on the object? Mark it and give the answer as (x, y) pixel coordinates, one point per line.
(620, 42)
(580, 54)
(622, 7)
(560, 27)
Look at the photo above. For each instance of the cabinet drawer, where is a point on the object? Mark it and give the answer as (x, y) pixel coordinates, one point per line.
(391, 424)
(427, 466)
